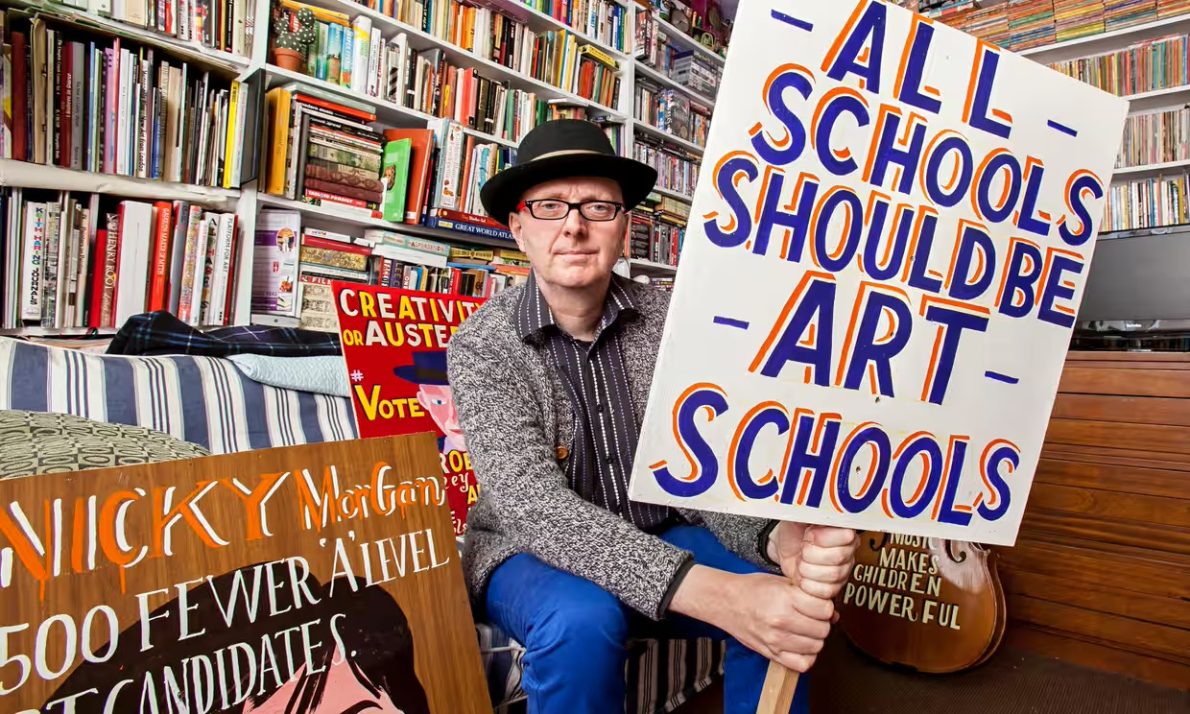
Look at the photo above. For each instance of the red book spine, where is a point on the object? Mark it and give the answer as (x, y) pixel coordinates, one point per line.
(65, 92)
(325, 244)
(20, 127)
(98, 279)
(158, 281)
(233, 270)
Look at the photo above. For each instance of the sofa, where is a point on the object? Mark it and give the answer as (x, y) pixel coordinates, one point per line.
(209, 402)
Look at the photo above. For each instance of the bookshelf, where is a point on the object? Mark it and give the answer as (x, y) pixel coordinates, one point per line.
(254, 65)
(665, 81)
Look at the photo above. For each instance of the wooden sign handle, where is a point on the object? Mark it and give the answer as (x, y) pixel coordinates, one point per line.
(777, 695)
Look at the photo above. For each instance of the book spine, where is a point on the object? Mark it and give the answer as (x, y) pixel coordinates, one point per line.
(31, 268)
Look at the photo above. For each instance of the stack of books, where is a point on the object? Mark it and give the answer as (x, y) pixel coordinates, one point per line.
(1030, 23)
(1078, 18)
(989, 23)
(80, 260)
(696, 72)
(106, 105)
(612, 126)
(1122, 13)
(657, 230)
(1172, 8)
(373, 257)
(323, 150)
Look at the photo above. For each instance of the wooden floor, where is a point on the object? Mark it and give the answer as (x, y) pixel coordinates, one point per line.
(1014, 681)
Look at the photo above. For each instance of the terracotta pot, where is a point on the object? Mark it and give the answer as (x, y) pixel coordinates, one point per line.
(287, 59)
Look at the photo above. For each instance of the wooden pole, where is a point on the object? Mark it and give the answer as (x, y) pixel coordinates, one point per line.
(779, 686)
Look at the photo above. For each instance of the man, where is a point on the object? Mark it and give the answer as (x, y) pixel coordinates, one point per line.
(551, 381)
(428, 372)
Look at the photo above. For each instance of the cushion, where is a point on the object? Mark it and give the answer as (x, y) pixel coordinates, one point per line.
(41, 443)
(321, 375)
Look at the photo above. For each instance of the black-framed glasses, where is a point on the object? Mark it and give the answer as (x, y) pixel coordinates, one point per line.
(553, 209)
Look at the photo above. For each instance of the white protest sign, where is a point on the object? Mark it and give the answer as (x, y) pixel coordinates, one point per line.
(886, 252)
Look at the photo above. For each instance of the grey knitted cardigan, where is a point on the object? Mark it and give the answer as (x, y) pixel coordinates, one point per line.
(516, 414)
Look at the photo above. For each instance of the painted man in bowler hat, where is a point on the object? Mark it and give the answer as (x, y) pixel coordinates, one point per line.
(428, 372)
(551, 380)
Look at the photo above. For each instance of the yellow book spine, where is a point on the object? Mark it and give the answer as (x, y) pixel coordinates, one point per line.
(280, 138)
(229, 149)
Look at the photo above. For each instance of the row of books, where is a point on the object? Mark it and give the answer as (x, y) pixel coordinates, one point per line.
(108, 106)
(657, 230)
(79, 260)
(604, 20)
(1144, 67)
(672, 111)
(226, 25)
(1147, 203)
(1021, 24)
(677, 169)
(1155, 138)
(553, 57)
(347, 52)
(612, 126)
(323, 150)
(296, 264)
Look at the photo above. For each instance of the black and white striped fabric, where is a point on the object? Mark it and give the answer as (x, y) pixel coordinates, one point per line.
(207, 401)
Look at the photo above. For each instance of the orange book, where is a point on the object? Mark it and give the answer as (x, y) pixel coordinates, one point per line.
(420, 154)
(159, 279)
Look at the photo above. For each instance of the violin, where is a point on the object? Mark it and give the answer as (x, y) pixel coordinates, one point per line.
(929, 604)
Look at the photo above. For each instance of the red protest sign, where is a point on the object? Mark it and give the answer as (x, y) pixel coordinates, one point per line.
(394, 345)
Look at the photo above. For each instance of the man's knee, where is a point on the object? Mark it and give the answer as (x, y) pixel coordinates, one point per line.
(586, 619)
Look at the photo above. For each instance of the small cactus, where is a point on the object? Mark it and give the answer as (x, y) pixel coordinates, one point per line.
(297, 40)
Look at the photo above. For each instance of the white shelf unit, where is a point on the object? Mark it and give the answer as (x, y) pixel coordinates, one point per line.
(650, 266)
(1158, 99)
(666, 81)
(682, 39)
(194, 52)
(29, 175)
(330, 215)
(1106, 41)
(673, 194)
(666, 136)
(1134, 172)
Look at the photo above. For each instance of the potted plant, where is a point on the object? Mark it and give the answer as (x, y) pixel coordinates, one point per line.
(289, 47)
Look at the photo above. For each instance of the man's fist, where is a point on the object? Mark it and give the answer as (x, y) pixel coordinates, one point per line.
(818, 559)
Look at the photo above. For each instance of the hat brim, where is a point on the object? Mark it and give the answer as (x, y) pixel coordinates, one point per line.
(502, 192)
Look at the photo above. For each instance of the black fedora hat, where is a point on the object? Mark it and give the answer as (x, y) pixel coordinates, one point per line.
(560, 149)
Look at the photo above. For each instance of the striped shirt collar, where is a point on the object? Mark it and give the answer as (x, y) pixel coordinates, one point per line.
(533, 315)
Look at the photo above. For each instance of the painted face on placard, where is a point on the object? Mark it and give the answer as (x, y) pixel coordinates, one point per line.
(439, 401)
(346, 692)
(342, 647)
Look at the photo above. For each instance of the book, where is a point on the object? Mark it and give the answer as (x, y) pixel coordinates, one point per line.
(396, 178)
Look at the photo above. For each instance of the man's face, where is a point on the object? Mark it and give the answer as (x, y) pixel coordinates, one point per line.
(440, 403)
(572, 252)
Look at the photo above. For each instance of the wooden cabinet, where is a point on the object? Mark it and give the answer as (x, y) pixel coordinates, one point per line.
(1100, 574)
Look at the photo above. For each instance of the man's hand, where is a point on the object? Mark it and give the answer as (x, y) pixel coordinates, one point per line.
(818, 559)
(766, 613)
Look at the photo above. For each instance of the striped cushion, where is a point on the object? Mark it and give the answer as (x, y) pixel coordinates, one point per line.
(209, 402)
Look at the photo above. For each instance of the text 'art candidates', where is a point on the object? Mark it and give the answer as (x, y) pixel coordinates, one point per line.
(886, 254)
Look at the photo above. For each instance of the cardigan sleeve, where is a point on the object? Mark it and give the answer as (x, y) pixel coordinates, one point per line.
(527, 491)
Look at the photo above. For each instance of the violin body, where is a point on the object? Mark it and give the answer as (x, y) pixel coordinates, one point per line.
(925, 603)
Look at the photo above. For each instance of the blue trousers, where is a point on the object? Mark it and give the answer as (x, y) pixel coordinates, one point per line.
(574, 633)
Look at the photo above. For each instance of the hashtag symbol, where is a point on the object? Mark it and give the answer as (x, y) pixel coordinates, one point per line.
(357, 376)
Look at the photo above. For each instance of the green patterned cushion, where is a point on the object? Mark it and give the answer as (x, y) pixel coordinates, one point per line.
(41, 443)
